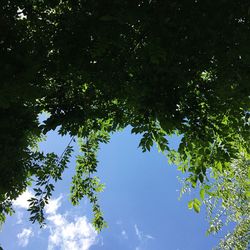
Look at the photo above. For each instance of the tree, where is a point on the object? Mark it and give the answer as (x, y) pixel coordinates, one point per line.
(227, 201)
(162, 67)
(229, 198)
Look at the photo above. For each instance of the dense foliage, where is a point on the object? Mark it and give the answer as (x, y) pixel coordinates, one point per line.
(162, 67)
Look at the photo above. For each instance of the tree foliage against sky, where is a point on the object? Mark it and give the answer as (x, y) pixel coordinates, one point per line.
(229, 202)
(162, 67)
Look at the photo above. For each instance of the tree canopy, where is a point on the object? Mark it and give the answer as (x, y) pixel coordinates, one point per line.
(162, 67)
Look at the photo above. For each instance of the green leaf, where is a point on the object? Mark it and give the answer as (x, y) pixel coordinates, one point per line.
(202, 194)
(196, 207)
(190, 204)
(219, 166)
(197, 201)
(201, 178)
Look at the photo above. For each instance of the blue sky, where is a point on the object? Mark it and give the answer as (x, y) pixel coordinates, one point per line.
(140, 204)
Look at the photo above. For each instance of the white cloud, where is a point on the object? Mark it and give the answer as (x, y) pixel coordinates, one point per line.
(24, 237)
(64, 234)
(22, 200)
(76, 235)
(50, 208)
(19, 217)
(53, 205)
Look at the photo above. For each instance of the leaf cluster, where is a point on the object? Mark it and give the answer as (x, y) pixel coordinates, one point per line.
(162, 67)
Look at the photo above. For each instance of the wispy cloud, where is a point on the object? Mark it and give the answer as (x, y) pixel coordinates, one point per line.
(137, 232)
(142, 237)
(150, 237)
(124, 234)
(118, 222)
(24, 237)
